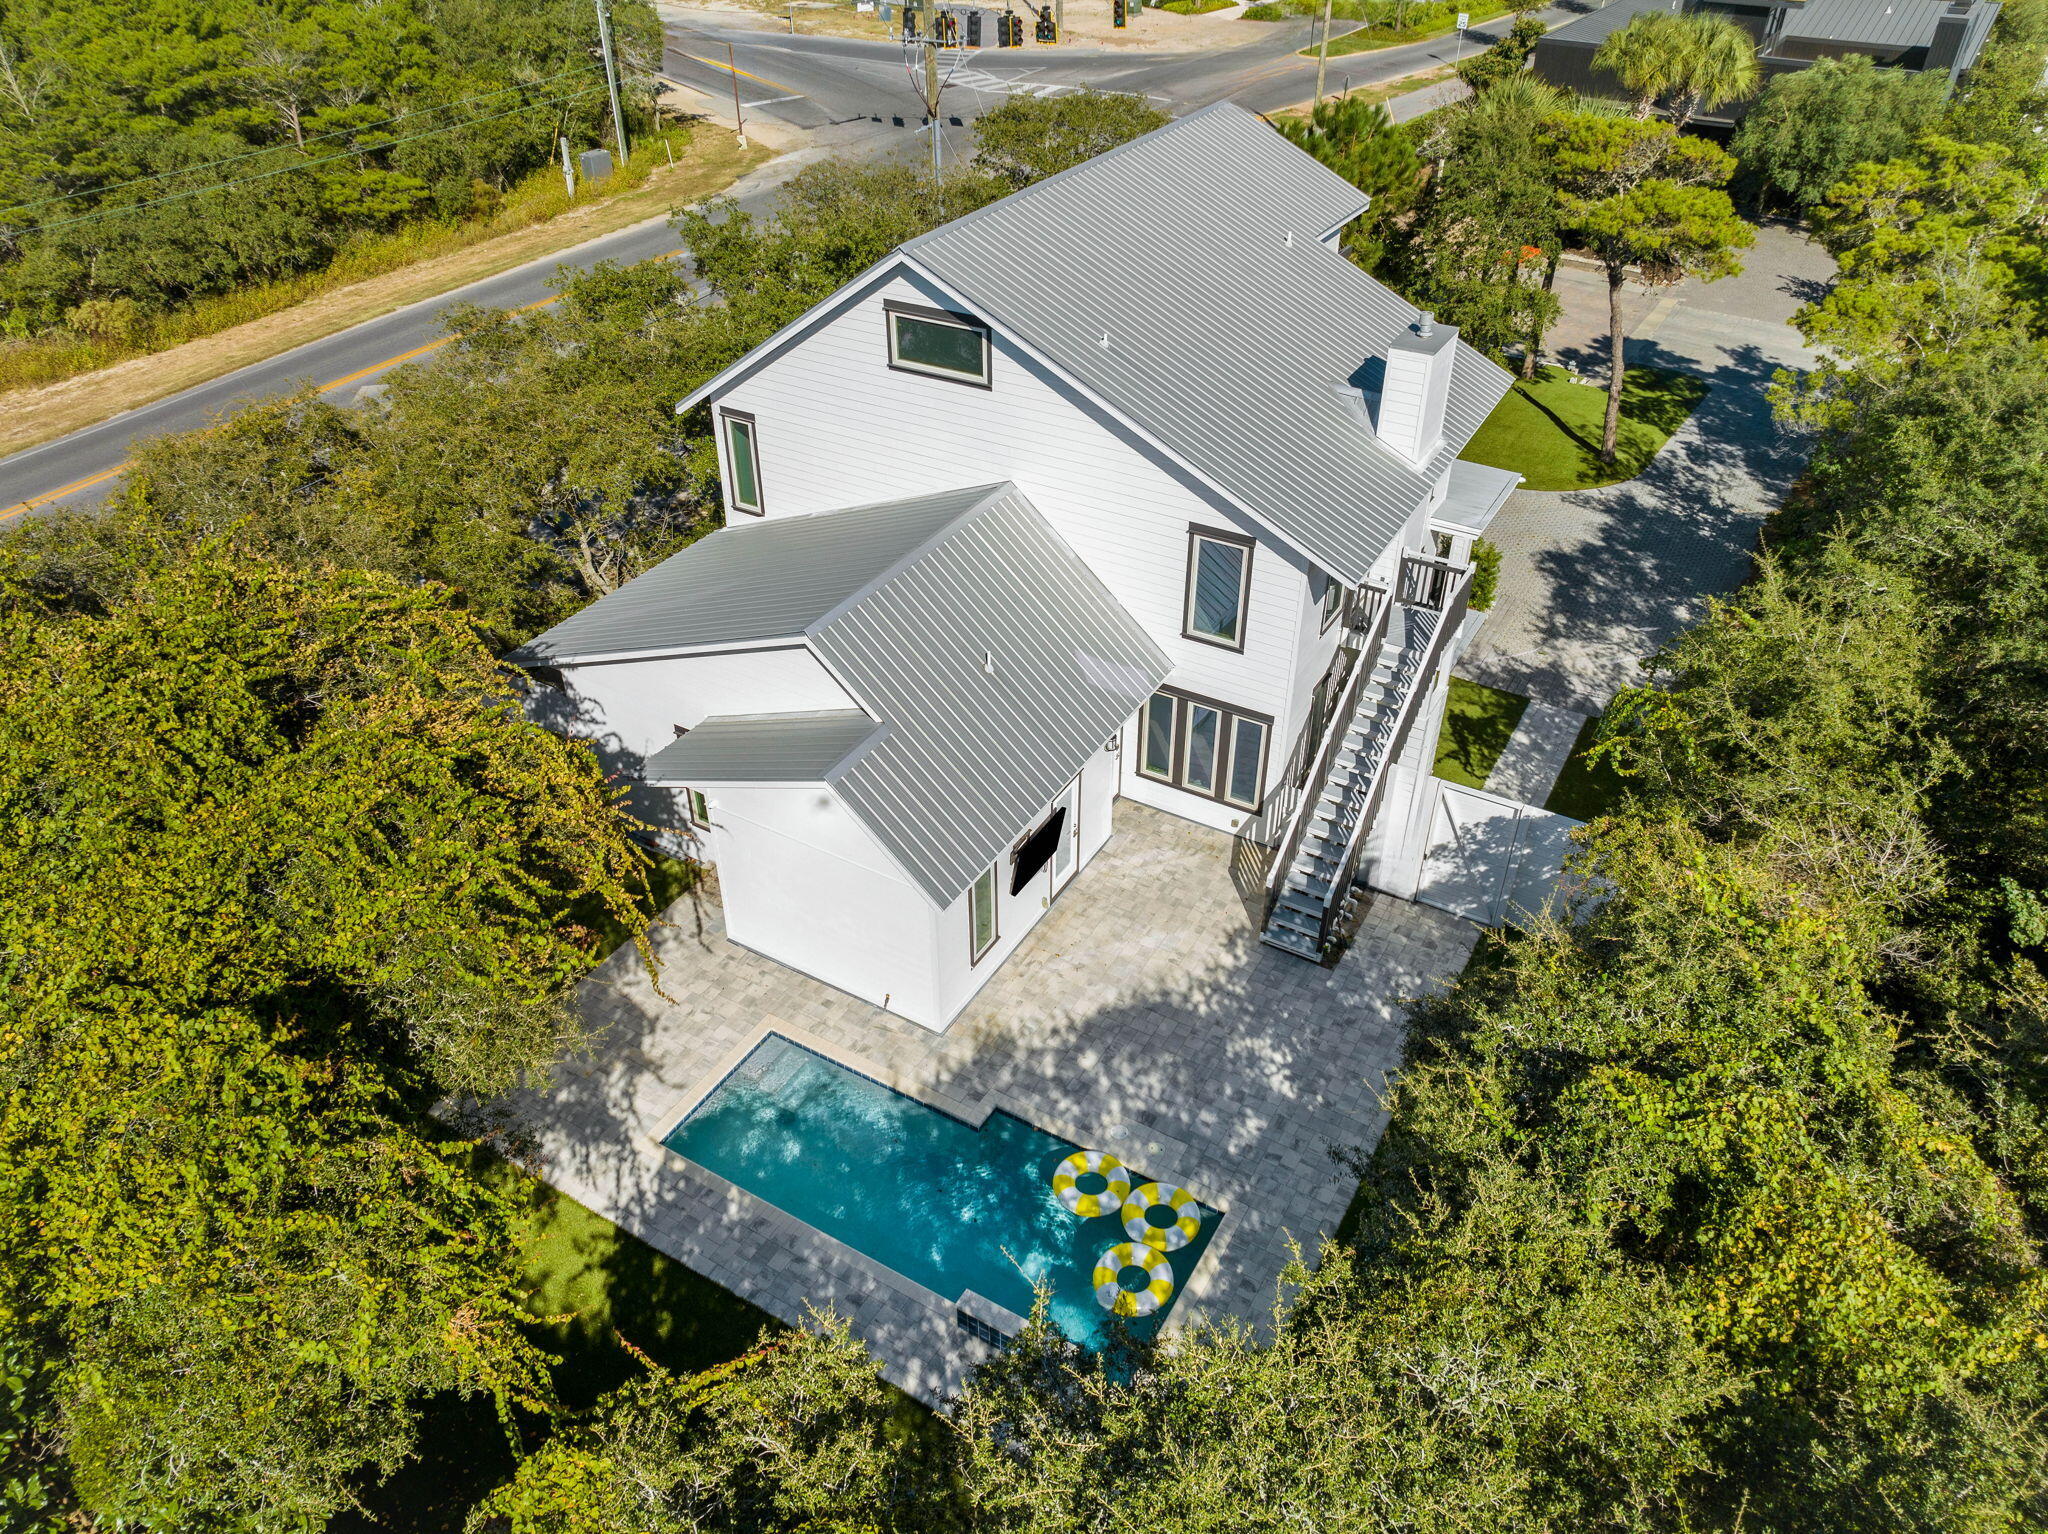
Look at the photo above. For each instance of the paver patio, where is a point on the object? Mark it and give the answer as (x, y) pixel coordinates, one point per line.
(1141, 1016)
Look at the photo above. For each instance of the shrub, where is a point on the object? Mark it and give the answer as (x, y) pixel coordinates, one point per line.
(1485, 575)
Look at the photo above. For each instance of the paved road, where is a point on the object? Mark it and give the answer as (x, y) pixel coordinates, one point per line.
(855, 98)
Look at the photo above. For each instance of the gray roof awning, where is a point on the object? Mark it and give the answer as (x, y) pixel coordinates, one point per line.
(1474, 494)
(760, 748)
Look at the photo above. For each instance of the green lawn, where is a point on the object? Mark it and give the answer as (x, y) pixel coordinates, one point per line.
(1370, 39)
(1549, 430)
(592, 1284)
(1477, 723)
(1586, 790)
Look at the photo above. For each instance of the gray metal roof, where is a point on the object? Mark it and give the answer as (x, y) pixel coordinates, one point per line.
(993, 660)
(1001, 664)
(1474, 494)
(760, 748)
(1874, 23)
(757, 580)
(1597, 26)
(1225, 340)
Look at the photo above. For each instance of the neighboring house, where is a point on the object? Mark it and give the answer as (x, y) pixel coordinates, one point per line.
(1919, 35)
(1127, 484)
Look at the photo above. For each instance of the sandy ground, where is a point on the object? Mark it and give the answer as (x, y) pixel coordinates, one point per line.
(42, 414)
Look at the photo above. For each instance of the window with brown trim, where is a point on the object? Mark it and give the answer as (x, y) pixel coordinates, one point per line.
(696, 808)
(938, 343)
(1219, 588)
(743, 459)
(1204, 747)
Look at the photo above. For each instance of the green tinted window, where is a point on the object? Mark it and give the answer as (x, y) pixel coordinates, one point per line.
(746, 473)
(982, 913)
(943, 348)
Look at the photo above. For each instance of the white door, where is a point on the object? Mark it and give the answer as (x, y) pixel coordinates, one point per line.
(1066, 857)
(1491, 860)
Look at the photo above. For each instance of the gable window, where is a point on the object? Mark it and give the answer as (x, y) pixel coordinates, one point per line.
(743, 457)
(1219, 587)
(939, 343)
(697, 808)
(1205, 747)
(981, 916)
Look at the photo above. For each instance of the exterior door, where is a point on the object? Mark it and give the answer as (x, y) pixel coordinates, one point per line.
(1066, 857)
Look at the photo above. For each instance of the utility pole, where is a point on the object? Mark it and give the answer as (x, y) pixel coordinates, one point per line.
(932, 93)
(1322, 53)
(739, 123)
(611, 76)
(568, 170)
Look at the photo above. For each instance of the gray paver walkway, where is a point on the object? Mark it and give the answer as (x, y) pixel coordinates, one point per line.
(1528, 765)
(1593, 581)
(1140, 1015)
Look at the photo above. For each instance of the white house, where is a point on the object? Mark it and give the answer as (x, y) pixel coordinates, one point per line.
(1129, 484)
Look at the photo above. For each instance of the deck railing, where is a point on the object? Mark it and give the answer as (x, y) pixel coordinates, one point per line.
(1450, 617)
(1264, 846)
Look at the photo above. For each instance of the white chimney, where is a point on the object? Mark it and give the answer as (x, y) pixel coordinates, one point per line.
(1418, 382)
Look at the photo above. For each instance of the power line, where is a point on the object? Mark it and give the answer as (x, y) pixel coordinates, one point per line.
(187, 170)
(222, 186)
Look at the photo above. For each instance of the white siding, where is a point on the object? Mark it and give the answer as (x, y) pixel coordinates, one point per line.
(959, 975)
(634, 706)
(803, 883)
(839, 427)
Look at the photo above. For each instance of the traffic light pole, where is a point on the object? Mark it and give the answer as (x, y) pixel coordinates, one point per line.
(611, 76)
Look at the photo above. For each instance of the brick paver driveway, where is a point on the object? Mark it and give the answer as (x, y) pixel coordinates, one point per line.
(1592, 581)
(1140, 1016)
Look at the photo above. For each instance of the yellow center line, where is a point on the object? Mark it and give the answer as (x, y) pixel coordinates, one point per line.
(733, 69)
(346, 379)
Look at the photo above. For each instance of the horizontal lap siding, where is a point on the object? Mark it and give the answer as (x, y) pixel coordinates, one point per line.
(637, 704)
(838, 427)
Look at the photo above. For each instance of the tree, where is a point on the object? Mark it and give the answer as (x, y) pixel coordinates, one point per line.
(795, 1434)
(1028, 138)
(1488, 234)
(1357, 140)
(1999, 100)
(285, 867)
(1640, 194)
(1693, 61)
(1810, 128)
(1506, 58)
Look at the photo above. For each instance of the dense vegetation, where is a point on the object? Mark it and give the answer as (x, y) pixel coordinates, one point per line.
(153, 154)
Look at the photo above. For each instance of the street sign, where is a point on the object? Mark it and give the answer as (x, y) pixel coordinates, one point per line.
(1464, 20)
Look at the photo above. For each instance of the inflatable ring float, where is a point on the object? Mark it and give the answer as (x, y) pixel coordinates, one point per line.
(1066, 1182)
(1187, 1216)
(1114, 1297)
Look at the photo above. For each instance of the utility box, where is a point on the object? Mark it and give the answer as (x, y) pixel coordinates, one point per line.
(594, 164)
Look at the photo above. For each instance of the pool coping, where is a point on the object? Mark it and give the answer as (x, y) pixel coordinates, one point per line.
(1192, 1293)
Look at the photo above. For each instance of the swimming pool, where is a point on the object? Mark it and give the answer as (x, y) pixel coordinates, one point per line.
(946, 1205)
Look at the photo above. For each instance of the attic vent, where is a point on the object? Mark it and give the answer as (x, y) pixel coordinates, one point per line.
(1105, 340)
(988, 662)
(1290, 239)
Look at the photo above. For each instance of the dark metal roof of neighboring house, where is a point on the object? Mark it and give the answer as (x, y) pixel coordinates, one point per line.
(1874, 23)
(993, 661)
(1162, 278)
(760, 748)
(755, 580)
(1474, 494)
(1598, 26)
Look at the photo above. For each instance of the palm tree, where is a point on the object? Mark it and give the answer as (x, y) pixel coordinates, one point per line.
(1720, 65)
(1648, 57)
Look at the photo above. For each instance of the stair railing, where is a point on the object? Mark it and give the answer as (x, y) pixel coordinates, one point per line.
(1330, 741)
(1449, 618)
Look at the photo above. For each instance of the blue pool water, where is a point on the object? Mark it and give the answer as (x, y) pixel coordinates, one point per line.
(950, 1207)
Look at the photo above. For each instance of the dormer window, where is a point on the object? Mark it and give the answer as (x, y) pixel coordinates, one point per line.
(938, 343)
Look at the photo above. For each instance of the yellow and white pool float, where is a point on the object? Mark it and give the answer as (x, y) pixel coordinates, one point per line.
(1066, 1179)
(1168, 1238)
(1118, 1300)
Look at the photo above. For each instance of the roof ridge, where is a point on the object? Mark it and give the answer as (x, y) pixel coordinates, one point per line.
(939, 535)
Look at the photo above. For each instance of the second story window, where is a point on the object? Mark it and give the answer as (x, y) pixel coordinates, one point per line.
(743, 458)
(1219, 587)
(939, 343)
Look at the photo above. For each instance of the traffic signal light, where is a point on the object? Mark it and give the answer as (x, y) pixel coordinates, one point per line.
(1047, 32)
(974, 28)
(1009, 30)
(1118, 16)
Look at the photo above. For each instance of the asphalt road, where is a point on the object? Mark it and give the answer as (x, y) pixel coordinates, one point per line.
(856, 98)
